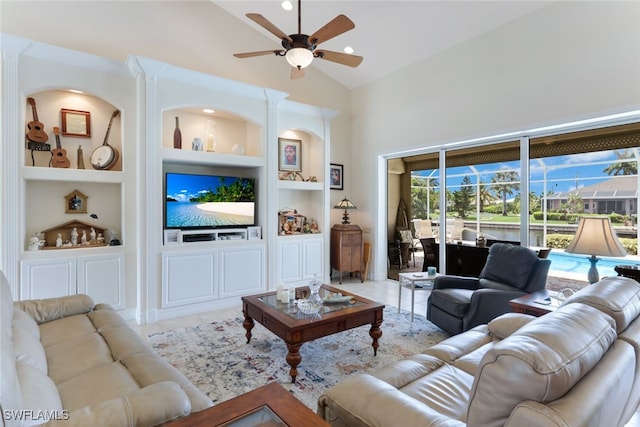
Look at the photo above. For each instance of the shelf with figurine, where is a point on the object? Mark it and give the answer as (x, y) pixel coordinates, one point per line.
(73, 235)
(293, 223)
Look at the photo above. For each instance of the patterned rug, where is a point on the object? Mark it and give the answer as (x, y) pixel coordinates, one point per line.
(217, 359)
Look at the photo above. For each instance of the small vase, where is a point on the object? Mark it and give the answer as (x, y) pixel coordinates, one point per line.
(314, 287)
(177, 136)
(80, 157)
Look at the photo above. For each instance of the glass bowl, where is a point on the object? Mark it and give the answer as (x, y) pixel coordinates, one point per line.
(309, 307)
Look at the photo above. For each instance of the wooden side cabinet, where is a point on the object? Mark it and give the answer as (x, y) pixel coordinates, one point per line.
(347, 249)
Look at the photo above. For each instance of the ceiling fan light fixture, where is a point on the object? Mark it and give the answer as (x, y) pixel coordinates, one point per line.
(299, 57)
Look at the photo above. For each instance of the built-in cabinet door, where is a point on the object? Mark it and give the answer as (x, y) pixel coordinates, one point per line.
(242, 271)
(189, 277)
(102, 278)
(313, 258)
(300, 259)
(289, 260)
(47, 278)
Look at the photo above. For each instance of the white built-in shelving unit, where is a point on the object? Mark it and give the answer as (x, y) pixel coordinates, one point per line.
(149, 276)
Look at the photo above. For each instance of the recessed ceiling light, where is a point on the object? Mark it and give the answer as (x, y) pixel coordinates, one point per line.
(348, 50)
(208, 111)
(286, 5)
(75, 91)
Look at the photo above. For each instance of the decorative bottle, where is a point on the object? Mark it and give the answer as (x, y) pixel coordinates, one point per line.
(177, 135)
(209, 136)
(80, 157)
(314, 287)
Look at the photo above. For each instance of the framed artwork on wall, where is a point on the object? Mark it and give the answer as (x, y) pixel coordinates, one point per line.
(76, 123)
(336, 176)
(289, 154)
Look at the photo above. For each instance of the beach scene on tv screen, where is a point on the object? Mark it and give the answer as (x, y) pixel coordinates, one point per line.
(208, 201)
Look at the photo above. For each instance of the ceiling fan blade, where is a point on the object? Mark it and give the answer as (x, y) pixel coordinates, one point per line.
(297, 73)
(340, 58)
(340, 24)
(264, 23)
(259, 53)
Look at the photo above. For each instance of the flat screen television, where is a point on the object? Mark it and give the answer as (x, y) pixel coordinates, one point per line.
(195, 201)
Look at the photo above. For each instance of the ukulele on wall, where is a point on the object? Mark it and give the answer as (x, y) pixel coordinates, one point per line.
(105, 156)
(60, 159)
(36, 131)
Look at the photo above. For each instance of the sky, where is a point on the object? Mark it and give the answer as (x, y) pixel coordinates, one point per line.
(563, 173)
(182, 187)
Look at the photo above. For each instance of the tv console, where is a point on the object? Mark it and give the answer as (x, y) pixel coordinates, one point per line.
(204, 235)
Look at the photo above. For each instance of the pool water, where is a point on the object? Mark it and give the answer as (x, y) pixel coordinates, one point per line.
(579, 264)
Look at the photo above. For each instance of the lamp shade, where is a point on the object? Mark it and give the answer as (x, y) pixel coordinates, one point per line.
(299, 57)
(595, 236)
(345, 204)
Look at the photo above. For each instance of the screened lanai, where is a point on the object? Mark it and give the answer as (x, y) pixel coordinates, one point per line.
(568, 176)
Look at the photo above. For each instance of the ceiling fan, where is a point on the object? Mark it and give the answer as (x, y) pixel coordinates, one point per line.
(300, 49)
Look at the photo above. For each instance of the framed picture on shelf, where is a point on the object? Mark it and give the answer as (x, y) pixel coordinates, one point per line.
(76, 123)
(289, 154)
(336, 176)
(254, 232)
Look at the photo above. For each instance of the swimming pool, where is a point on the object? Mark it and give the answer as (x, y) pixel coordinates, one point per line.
(562, 262)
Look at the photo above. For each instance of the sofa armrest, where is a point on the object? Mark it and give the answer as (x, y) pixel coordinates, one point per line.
(46, 310)
(376, 403)
(487, 304)
(149, 406)
(459, 282)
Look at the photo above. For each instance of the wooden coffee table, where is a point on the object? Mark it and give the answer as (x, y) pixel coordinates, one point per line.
(261, 404)
(295, 328)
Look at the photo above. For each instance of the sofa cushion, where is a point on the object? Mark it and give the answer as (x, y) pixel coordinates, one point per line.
(149, 368)
(25, 322)
(46, 310)
(65, 329)
(77, 355)
(509, 264)
(39, 393)
(454, 301)
(106, 382)
(541, 362)
(505, 325)
(617, 296)
(29, 350)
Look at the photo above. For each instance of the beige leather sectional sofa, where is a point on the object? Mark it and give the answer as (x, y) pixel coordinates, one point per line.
(577, 366)
(76, 364)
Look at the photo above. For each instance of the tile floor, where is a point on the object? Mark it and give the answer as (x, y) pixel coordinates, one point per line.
(384, 291)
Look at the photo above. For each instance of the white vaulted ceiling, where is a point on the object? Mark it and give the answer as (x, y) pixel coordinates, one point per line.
(390, 34)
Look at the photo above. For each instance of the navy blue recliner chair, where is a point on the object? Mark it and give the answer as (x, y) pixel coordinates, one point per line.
(457, 304)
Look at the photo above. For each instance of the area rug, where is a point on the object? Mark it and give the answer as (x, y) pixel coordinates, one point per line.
(217, 359)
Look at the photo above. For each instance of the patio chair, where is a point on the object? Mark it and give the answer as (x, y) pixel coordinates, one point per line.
(422, 228)
(456, 232)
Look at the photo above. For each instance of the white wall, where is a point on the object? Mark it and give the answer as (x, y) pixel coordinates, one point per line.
(568, 61)
(192, 34)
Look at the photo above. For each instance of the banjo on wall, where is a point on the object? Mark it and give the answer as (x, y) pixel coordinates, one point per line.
(105, 156)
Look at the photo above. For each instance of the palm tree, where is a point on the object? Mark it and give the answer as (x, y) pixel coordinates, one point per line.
(423, 188)
(505, 183)
(484, 193)
(622, 167)
(574, 203)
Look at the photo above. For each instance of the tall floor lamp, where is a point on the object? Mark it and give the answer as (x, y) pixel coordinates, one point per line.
(595, 236)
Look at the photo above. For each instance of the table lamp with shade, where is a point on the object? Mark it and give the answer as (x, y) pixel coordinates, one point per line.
(595, 236)
(346, 205)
